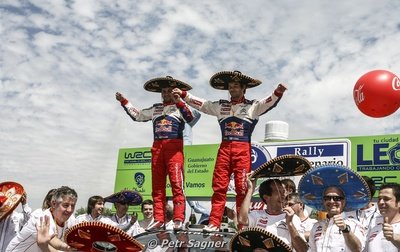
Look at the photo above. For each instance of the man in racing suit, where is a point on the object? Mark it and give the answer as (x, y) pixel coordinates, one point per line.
(168, 120)
(237, 119)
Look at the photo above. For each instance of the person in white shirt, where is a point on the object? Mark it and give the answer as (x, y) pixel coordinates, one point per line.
(367, 215)
(140, 226)
(94, 212)
(385, 236)
(276, 219)
(62, 208)
(293, 200)
(122, 200)
(335, 189)
(11, 225)
(123, 220)
(336, 232)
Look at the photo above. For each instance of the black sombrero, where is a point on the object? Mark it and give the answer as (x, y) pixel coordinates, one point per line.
(250, 239)
(283, 166)
(156, 84)
(130, 197)
(10, 196)
(313, 184)
(221, 80)
(97, 236)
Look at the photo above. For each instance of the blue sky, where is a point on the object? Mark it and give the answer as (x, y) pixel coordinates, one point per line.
(62, 62)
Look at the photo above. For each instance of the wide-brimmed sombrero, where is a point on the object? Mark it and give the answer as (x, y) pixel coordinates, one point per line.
(313, 184)
(251, 239)
(222, 79)
(130, 197)
(10, 196)
(156, 84)
(97, 236)
(283, 166)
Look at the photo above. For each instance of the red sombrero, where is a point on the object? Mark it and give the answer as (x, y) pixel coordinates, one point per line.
(221, 80)
(156, 84)
(250, 239)
(10, 196)
(283, 166)
(130, 197)
(97, 236)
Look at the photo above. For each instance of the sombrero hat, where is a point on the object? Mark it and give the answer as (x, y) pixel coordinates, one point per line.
(156, 84)
(130, 197)
(313, 184)
(250, 239)
(221, 80)
(10, 196)
(97, 236)
(283, 166)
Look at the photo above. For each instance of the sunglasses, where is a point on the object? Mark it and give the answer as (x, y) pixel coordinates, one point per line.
(334, 198)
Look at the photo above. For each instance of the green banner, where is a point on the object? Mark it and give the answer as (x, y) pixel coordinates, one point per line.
(134, 170)
(377, 157)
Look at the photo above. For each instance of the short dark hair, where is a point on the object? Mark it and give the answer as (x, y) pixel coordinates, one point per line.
(289, 184)
(146, 202)
(371, 185)
(92, 201)
(395, 187)
(266, 187)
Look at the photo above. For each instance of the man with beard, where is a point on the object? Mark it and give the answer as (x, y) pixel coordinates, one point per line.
(237, 118)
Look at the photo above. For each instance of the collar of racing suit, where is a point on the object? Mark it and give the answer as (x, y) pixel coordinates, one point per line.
(168, 103)
(240, 100)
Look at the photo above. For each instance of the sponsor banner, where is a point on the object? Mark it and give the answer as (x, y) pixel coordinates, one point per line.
(199, 168)
(373, 156)
(318, 152)
(377, 157)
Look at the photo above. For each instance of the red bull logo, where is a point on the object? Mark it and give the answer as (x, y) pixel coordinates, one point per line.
(164, 125)
(234, 129)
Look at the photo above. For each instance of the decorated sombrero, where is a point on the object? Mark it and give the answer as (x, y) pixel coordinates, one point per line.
(313, 184)
(156, 84)
(221, 80)
(283, 166)
(130, 197)
(251, 239)
(97, 236)
(10, 196)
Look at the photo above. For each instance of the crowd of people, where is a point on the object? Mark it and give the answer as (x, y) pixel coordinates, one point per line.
(353, 221)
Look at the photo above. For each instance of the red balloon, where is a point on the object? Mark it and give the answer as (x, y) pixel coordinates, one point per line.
(377, 93)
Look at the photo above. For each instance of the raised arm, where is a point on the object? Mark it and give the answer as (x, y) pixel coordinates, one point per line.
(266, 104)
(208, 107)
(243, 217)
(136, 114)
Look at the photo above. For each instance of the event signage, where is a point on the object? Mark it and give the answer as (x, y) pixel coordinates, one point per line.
(374, 156)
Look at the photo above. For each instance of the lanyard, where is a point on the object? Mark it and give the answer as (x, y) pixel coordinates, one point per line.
(358, 215)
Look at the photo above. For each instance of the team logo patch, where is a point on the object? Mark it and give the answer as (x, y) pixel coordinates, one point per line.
(139, 179)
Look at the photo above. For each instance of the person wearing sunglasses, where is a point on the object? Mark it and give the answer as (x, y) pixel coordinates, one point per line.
(335, 189)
